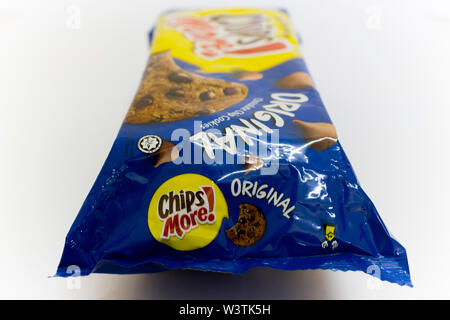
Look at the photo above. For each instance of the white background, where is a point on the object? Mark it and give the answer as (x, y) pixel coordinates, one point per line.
(382, 68)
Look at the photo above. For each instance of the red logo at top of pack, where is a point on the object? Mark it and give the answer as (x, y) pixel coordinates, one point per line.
(230, 35)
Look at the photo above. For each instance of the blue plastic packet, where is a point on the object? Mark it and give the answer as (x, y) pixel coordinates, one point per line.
(227, 160)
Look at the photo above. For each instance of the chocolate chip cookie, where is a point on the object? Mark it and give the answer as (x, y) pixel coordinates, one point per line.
(169, 93)
(249, 228)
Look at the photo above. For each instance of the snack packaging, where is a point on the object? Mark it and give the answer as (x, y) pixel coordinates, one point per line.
(227, 160)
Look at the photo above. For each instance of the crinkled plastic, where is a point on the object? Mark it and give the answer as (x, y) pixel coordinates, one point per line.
(227, 160)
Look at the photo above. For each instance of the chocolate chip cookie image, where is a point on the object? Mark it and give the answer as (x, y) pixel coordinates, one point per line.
(321, 135)
(169, 93)
(249, 228)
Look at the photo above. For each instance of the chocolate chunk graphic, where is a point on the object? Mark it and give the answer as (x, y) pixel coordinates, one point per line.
(180, 77)
(175, 93)
(231, 91)
(144, 102)
(167, 153)
(295, 80)
(253, 162)
(250, 227)
(207, 95)
(324, 134)
(243, 75)
(204, 112)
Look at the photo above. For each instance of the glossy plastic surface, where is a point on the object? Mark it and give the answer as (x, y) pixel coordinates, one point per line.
(328, 222)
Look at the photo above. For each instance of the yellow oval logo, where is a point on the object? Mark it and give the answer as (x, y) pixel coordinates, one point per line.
(186, 212)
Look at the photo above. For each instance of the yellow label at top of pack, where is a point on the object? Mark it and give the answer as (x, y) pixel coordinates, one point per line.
(225, 40)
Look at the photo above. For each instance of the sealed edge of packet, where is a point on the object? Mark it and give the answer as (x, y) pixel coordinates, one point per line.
(227, 160)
